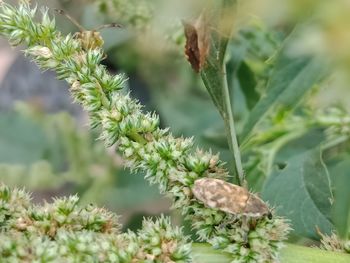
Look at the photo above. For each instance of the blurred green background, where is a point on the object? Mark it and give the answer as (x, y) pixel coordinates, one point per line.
(46, 144)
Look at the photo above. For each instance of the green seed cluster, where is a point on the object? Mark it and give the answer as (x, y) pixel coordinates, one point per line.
(170, 162)
(63, 231)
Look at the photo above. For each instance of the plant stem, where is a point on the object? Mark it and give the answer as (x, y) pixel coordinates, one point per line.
(231, 131)
(215, 78)
(204, 253)
(226, 27)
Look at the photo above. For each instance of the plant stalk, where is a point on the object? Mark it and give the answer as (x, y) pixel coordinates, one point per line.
(231, 131)
(204, 253)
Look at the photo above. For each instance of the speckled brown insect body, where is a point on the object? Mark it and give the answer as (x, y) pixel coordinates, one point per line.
(230, 198)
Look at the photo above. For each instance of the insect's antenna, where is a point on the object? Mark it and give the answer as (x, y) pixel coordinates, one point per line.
(108, 26)
(75, 22)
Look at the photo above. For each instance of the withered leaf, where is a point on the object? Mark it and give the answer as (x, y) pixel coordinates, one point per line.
(197, 42)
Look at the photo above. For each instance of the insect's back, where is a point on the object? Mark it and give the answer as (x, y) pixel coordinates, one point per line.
(230, 198)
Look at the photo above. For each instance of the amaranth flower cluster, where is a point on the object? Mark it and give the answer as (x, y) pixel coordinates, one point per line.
(63, 231)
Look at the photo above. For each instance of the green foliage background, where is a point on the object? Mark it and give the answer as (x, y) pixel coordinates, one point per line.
(294, 136)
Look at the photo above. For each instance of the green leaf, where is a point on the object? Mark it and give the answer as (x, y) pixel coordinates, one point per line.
(187, 113)
(291, 78)
(310, 140)
(239, 75)
(301, 192)
(341, 207)
(214, 82)
(191, 115)
(21, 140)
(216, 136)
(117, 191)
(248, 84)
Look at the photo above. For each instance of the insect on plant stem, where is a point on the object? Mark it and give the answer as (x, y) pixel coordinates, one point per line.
(90, 39)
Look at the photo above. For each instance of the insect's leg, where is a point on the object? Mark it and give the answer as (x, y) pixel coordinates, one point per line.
(111, 25)
(230, 222)
(245, 226)
(76, 35)
(75, 22)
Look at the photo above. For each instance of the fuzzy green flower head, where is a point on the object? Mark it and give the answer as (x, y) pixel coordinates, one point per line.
(13, 204)
(63, 231)
(163, 243)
